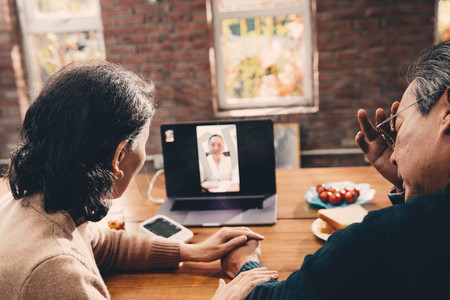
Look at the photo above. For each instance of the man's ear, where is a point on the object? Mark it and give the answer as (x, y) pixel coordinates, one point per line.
(118, 156)
(446, 123)
(446, 118)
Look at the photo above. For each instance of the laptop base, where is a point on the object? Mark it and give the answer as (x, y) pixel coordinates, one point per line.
(266, 215)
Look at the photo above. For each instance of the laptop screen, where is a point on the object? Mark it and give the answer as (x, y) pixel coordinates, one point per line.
(219, 159)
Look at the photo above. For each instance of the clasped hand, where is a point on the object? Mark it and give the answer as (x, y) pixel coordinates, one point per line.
(242, 285)
(234, 246)
(218, 245)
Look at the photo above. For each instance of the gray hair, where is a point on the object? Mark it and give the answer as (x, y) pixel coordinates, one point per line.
(431, 72)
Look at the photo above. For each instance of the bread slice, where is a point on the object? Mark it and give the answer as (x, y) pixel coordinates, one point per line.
(341, 217)
(325, 228)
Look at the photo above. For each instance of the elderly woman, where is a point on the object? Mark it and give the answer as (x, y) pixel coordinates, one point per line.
(82, 142)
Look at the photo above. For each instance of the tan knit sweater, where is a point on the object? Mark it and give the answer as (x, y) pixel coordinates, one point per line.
(45, 256)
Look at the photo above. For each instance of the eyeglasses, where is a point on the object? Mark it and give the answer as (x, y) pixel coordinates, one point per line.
(387, 136)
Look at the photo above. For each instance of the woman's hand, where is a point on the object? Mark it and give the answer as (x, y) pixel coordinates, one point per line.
(372, 144)
(218, 245)
(241, 286)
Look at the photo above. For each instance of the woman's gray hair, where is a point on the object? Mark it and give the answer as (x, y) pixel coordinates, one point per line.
(431, 73)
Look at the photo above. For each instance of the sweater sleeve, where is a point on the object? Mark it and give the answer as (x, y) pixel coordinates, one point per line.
(332, 270)
(63, 277)
(250, 265)
(121, 250)
(395, 253)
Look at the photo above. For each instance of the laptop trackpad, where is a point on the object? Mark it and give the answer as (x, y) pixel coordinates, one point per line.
(213, 217)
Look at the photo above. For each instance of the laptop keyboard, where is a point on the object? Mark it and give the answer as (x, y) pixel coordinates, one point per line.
(216, 204)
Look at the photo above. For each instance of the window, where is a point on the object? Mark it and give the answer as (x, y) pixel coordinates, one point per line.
(57, 32)
(443, 20)
(263, 56)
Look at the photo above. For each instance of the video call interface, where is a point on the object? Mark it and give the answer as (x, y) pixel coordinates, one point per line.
(218, 158)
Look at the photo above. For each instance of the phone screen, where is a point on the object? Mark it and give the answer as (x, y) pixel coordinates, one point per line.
(162, 227)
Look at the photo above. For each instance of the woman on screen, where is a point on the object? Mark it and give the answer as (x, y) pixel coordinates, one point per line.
(82, 142)
(219, 175)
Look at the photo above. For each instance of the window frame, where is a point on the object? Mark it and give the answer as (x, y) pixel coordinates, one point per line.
(30, 25)
(265, 106)
(437, 38)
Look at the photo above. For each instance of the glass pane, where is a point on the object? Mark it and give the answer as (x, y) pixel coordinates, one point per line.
(263, 57)
(251, 4)
(444, 20)
(52, 51)
(63, 8)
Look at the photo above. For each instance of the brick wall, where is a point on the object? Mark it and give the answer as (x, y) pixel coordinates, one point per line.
(363, 48)
(12, 85)
(168, 42)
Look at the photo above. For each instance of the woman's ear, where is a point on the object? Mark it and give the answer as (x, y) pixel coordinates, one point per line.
(118, 156)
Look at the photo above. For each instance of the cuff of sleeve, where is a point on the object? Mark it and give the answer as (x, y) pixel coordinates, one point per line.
(249, 265)
(165, 254)
(396, 198)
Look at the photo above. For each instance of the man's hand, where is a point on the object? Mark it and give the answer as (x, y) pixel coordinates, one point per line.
(372, 144)
(233, 261)
(241, 286)
(218, 245)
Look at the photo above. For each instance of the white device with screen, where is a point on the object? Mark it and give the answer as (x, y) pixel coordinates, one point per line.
(163, 226)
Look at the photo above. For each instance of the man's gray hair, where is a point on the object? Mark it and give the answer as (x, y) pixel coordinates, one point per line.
(431, 71)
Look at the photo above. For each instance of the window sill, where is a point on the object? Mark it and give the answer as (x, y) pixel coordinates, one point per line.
(270, 111)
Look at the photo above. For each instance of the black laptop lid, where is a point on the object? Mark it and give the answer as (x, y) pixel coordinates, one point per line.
(231, 158)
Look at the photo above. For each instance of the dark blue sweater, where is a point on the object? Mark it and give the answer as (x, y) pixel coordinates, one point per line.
(400, 252)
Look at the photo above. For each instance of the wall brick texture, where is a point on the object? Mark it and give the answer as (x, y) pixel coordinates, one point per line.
(12, 85)
(363, 48)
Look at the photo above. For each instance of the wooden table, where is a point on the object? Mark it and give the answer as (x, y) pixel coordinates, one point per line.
(283, 249)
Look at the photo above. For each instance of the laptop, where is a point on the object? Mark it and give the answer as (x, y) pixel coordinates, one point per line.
(219, 173)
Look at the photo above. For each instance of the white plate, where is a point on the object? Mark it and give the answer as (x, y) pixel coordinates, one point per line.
(365, 193)
(315, 227)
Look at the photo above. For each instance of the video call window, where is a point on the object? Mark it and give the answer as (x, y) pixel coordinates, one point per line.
(218, 158)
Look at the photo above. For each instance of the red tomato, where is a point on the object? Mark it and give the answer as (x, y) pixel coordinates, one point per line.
(356, 192)
(350, 197)
(335, 198)
(331, 189)
(324, 196)
(320, 188)
(343, 192)
(329, 195)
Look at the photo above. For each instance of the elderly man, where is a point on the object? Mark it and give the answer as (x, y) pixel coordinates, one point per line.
(403, 251)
